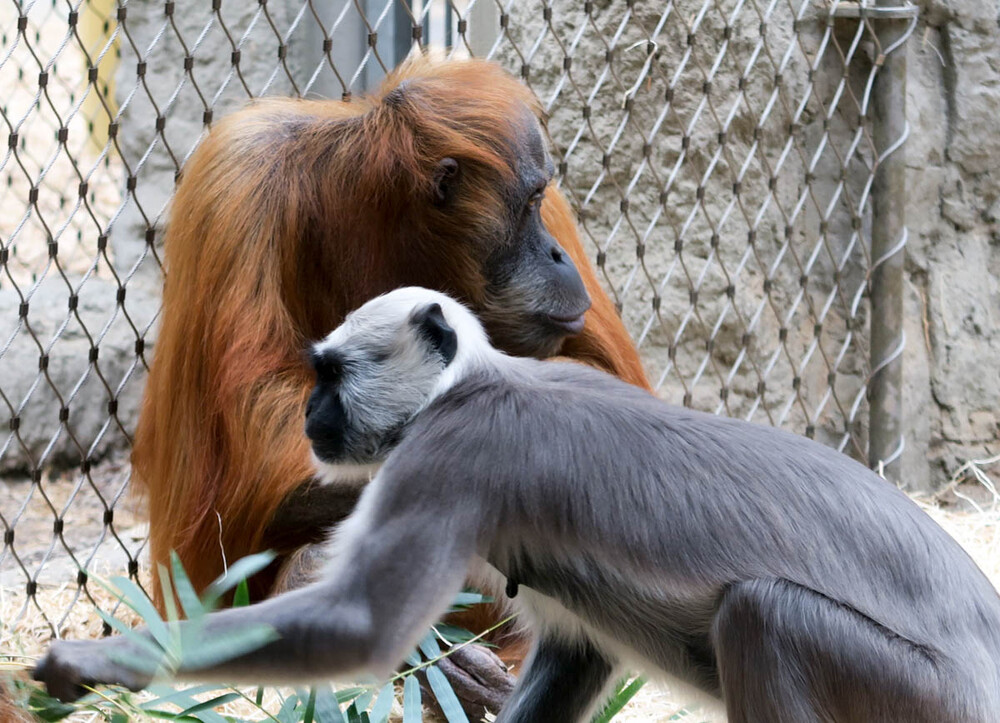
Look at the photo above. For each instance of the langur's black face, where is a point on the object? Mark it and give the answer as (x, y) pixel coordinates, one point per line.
(373, 374)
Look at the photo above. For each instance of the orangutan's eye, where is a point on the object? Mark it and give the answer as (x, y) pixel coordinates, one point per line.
(536, 199)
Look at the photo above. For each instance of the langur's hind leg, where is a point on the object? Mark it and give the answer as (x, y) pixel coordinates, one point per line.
(788, 654)
(561, 683)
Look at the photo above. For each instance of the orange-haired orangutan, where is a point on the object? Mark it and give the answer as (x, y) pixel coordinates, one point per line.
(292, 213)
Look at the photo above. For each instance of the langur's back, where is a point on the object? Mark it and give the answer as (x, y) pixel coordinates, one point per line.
(742, 496)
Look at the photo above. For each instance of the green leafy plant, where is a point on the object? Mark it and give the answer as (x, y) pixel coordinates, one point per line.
(366, 703)
(171, 644)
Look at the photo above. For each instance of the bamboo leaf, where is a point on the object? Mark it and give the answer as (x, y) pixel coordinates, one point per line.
(287, 713)
(383, 704)
(346, 695)
(184, 699)
(465, 599)
(364, 700)
(412, 712)
(446, 697)
(167, 715)
(211, 704)
(327, 708)
(454, 634)
(167, 695)
(133, 596)
(228, 645)
(134, 659)
(47, 708)
(429, 646)
(169, 601)
(190, 603)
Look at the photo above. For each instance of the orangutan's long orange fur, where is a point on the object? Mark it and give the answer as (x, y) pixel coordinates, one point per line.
(282, 223)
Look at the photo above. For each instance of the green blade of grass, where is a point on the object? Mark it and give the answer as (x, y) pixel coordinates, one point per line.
(242, 569)
(310, 710)
(241, 598)
(185, 699)
(619, 700)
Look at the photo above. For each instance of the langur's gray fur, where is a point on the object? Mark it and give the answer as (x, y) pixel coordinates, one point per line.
(759, 566)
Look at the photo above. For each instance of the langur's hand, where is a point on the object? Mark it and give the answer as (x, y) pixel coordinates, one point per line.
(71, 665)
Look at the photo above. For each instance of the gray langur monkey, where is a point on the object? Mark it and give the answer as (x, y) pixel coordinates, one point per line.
(759, 566)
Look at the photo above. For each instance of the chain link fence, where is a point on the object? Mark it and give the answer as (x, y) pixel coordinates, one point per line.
(731, 162)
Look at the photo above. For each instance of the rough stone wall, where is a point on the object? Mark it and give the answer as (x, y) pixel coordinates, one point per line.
(952, 363)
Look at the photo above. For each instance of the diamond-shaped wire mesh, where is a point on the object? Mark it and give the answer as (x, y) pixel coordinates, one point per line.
(718, 152)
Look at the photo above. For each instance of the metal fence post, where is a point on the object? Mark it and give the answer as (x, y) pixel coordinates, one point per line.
(893, 23)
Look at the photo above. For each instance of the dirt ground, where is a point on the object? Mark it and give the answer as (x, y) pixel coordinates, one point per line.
(969, 510)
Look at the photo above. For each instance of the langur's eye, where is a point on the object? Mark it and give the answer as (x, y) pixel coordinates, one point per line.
(328, 366)
(536, 199)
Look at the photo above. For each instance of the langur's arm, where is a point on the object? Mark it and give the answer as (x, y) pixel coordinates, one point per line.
(397, 576)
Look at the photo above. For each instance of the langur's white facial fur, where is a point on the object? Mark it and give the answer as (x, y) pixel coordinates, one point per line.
(388, 360)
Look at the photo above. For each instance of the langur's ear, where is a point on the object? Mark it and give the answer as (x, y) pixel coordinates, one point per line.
(432, 326)
(446, 177)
